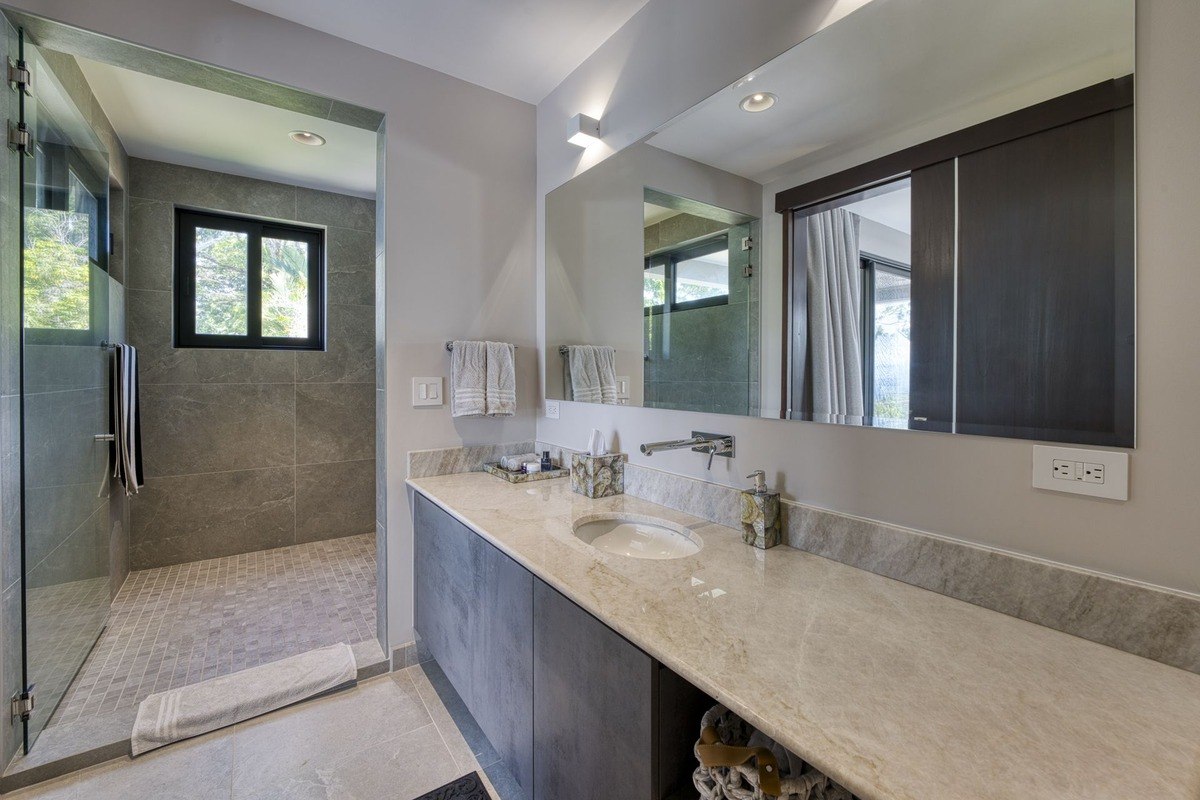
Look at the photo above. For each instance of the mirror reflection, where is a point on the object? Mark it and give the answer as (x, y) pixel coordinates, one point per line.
(922, 217)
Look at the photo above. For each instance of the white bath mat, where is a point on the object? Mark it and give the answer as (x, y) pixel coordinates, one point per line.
(202, 707)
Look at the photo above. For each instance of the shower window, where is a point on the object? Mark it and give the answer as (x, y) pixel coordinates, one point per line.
(694, 276)
(248, 283)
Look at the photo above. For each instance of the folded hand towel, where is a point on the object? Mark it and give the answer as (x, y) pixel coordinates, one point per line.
(593, 373)
(501, 396)
(468, 379)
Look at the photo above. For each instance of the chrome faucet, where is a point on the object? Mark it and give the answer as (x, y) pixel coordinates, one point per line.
(715, 444)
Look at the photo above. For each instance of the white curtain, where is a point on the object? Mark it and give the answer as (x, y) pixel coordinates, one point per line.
(834, 317)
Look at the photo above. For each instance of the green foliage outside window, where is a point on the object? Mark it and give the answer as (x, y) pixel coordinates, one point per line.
(221, 275)
(57, 270)
(284, 288)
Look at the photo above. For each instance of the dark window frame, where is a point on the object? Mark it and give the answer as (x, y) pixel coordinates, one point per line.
(870, 265)
(186, 222)
(668, 261)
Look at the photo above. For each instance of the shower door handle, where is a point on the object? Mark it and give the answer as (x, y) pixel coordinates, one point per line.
(105, 437)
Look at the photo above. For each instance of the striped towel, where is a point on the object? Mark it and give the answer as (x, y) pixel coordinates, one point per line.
(483, 379)
(593, 373)
(127, 420)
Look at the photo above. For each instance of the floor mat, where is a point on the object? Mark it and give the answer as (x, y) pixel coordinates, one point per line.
(468, 787)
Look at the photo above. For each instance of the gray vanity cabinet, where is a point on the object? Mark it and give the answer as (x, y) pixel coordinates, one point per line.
(573, 709)
(474, 612)
(593, 708)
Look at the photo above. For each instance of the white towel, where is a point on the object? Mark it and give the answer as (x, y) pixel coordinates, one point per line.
(501, 398)
(483, 379)
(189, 711)
(593, 373)
(468, 379)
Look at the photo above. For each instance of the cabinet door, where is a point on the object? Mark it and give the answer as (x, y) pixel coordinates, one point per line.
(593, 708)
(1045, 338)
(474, 611)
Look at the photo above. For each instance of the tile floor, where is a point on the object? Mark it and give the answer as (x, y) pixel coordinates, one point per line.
(178, 625)
(390, 737)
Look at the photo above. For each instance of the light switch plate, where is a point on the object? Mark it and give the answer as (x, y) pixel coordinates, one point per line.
(426, 392)
(622, 387)
(1097, 473)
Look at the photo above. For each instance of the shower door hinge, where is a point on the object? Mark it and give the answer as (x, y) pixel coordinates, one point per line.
(19, 138)
(19, 77)
(748, 271)
(747, 243)
(23, 705)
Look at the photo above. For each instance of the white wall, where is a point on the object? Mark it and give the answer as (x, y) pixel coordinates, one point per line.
(971, 488)
(594, 260)
(459, 185)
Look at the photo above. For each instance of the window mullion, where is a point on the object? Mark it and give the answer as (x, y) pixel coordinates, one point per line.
(254, 284)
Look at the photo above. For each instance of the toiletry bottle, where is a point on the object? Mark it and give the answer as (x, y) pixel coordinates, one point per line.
(547, 464)
(761, 523)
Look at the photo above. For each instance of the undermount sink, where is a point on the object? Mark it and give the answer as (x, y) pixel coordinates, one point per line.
(637, 536)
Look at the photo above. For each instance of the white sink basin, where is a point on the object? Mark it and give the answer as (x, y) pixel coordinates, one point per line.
(637, 536)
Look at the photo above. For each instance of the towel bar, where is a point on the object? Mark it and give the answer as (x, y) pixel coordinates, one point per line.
(450, 346)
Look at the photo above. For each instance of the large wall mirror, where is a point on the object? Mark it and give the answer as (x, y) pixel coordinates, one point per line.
(921, 217)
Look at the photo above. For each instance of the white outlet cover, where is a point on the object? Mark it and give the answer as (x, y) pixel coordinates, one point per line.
(1115, 464)
(551, 409)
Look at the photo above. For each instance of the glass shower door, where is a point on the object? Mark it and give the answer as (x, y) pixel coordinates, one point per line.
(64, 390)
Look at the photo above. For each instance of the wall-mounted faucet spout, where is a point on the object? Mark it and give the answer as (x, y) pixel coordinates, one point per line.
(714, 444)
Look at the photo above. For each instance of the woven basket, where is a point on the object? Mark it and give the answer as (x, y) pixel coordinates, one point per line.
(739, 763)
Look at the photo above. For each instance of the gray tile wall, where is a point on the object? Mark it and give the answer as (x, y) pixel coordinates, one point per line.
(91, 541)
(705, 359)
(248, 450)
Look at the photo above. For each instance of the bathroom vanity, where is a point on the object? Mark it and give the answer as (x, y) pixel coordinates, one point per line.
(893, 691)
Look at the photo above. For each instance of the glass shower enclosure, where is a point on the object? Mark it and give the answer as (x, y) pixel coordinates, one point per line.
(65, 415)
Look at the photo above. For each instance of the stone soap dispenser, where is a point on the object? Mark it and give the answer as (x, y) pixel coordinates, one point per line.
(761, 525)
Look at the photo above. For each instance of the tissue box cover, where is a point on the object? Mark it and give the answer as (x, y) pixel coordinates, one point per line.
(598, 476)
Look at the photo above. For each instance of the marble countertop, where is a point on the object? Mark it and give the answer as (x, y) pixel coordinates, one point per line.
(896, 692)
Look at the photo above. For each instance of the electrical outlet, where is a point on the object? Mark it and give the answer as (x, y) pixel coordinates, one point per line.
(1064, 470)
(1099, 473)
(551, 409)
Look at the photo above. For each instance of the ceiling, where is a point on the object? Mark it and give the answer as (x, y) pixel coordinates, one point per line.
(893, 209)
(521, 48)
(174, 122)
(894, 66)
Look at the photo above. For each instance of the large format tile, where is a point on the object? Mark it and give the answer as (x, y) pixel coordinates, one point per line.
(291, 752)
(190, 517)
(151, 245)
(335, 500)
(349, 246)
(213, 191)
(198, 769)
(335, 422)
(329, 208)
(349, 355)
(150, 330)
(190, 428)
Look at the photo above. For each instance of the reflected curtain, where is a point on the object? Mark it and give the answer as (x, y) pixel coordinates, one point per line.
(834, 317)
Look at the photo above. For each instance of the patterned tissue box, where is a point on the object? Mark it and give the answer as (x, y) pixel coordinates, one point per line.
(598, 476)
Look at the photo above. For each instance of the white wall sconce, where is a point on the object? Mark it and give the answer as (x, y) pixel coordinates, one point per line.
(582, 130)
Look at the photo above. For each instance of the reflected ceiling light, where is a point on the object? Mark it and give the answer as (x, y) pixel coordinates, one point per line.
(307, 137)
(582, 130)
(759, 101)
(744, 81)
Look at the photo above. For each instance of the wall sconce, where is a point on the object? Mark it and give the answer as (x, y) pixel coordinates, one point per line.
(582, 130)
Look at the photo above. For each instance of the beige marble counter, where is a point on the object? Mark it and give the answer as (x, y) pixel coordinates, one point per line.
(896, 692)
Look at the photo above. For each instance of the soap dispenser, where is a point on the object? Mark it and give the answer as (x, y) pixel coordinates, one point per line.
(761, 523)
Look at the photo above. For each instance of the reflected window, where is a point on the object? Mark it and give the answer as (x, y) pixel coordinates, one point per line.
(694, 276)
(887, 310)
(248, 283)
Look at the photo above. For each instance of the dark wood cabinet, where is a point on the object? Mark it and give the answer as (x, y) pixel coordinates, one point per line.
(474, 613)
(573, 709)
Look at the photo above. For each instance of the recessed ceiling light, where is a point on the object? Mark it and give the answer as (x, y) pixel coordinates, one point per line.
(759, 101)
(307, 137)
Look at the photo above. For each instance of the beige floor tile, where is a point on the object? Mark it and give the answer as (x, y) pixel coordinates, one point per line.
(463, 756)
(289, 746)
